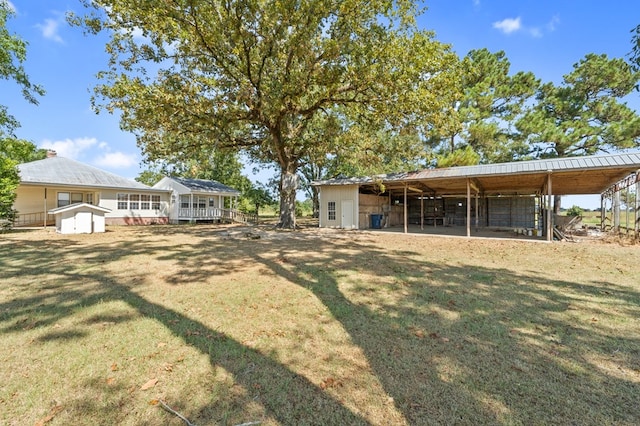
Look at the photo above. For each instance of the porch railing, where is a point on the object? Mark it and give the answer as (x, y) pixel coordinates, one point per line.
(216, 213)
(33, 219)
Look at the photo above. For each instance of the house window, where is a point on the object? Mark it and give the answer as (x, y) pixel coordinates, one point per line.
(137, 201)
(184, 201)
(76, 197)
(64, 199)
(134, 201)
(331, 209)
(212, 202)
(145, 201)
(123, 201)
(89, 198)
(202, 203)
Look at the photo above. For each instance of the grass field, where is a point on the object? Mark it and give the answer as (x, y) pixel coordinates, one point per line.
(315, 327)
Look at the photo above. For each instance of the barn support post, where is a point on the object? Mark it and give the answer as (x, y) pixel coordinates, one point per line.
(387, 222)
(549, 208)
(616, 210)
(477, 210)
(405, 209)
(468, 207)
(626, 211)
(602, 212)
(422, 211)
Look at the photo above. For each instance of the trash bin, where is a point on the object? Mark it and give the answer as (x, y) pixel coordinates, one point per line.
(376, 221)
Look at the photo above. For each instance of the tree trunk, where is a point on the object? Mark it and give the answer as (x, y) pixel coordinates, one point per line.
(315, 199)
(288, 189)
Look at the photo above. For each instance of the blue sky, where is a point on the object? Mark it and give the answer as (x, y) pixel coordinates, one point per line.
(543, 36)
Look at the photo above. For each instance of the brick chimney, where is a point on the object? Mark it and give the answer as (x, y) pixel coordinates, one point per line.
(51, 153)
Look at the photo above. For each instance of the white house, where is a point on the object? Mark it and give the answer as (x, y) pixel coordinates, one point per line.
(194, 200)
(79, 218)
(58, 182)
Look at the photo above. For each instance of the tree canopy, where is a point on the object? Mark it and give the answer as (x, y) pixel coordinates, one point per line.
(254, 75)
(586, 114)
(480, 127)
(13, 151)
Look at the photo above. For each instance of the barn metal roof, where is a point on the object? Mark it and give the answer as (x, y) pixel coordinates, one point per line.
(202, 185)
(65, 172)
(574, 175)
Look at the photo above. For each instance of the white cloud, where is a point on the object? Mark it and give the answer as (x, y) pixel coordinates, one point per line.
(508, 25)
(116, 160)
(82, 148)
(535, 32)
(50, 29)
(69, 148)
(553, 24)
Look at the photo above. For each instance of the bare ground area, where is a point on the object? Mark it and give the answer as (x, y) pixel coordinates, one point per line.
(229, 325)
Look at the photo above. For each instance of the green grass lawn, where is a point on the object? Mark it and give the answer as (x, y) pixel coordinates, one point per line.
(315, 327)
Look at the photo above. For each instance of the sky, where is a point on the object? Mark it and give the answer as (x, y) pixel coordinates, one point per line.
(545, 37)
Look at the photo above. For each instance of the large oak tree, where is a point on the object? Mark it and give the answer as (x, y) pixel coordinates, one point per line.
(253, 75)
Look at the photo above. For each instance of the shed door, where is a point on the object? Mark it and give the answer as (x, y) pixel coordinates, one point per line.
(347, 214)
(83, 222)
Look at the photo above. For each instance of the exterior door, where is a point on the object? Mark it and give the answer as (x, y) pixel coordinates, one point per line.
(347, 214)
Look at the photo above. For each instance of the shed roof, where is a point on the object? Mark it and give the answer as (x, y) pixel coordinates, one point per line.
(79, 206)
(574, 175)
(202, 185)
(65, 172)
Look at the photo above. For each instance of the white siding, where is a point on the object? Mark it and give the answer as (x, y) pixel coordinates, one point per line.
(337, 194)
(31, 199)
(108, 199)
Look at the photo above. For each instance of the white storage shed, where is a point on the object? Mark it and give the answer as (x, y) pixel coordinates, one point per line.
(79, 218)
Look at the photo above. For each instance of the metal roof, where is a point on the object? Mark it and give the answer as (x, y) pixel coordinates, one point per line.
(65, 172)
(79, 206)
(203, 185)
(573, 175)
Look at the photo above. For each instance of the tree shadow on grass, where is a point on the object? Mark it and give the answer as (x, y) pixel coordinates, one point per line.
(455, 345)
(292, 397)
(468, 344)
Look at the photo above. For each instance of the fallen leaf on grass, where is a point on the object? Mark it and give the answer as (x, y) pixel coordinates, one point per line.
(114, 367)
(52, 413)
(110, 380)
(154, 402)
(330, 382)
(151, 383)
